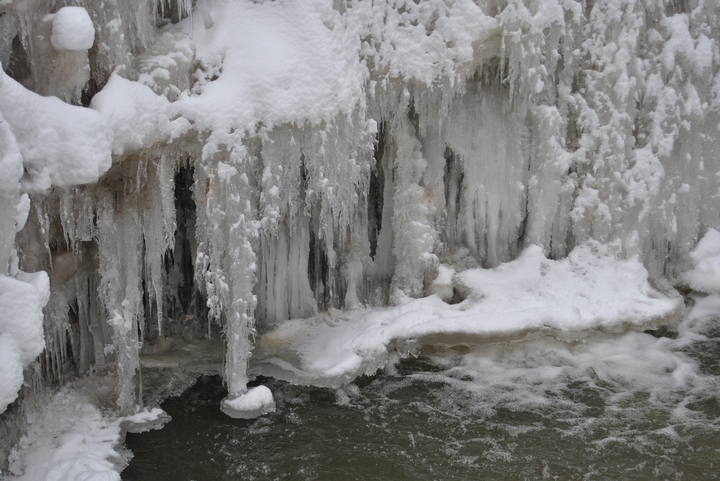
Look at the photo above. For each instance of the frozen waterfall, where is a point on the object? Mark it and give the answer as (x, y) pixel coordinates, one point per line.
(302, 189)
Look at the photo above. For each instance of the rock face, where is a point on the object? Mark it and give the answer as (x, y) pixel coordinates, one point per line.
(212, 169)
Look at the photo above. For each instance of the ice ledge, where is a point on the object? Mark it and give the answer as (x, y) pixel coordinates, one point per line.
(145, 420)
(254, 403)
(589, 291)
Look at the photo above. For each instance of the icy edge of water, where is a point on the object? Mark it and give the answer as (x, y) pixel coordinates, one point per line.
(592, 290)
(74, 439)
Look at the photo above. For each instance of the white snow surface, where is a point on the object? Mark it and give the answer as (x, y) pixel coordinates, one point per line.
(72, 29)
(256, 402)
(136, 116)
(61, 144)
(21, 328)
(276, 62)
(71, 441)
(589, 291)
(705, 275)
(145, 420)
(11, 162)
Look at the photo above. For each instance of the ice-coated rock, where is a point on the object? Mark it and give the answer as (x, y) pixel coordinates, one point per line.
(254, 403)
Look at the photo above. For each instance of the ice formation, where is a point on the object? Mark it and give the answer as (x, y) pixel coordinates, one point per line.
(72, 29)
(589, 291)
(227, 169)
(255, 402)
(73, 440)
(705, 274)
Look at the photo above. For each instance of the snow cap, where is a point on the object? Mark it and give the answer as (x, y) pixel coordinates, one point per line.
(72, 29)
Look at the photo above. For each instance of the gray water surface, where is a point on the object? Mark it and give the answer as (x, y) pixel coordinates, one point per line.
(626, 407)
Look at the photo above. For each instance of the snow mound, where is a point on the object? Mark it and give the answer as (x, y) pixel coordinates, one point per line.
(591, 290)
(705, 275)
(256, 402)
(72, 29)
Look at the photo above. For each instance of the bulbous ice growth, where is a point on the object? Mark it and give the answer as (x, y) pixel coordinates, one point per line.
(72, 29)
(254, 403)
(705, 274)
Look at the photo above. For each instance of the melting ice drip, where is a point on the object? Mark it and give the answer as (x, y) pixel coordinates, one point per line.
(240, 164)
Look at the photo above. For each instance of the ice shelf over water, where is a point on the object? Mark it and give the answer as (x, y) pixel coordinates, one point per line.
(436, 171)
(589, 291)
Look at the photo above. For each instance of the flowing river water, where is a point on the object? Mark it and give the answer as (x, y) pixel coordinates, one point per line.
(630, 406)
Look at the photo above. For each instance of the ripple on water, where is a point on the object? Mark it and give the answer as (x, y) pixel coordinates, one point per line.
(628, 406)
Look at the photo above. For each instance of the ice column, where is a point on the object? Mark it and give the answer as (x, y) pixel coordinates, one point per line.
(225, 263)
(120, 247)
(414, 235)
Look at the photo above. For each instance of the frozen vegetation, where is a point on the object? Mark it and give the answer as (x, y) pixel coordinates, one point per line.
(324, 185)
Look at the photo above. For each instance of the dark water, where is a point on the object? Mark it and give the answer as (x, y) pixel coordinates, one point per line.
(537, 410)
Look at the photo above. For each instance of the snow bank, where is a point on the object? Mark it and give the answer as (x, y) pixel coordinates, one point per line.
(73, 440)
(72, 29)
(256, 402)
(591, 290)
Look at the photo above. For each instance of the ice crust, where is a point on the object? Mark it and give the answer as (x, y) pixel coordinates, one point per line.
(589, 291)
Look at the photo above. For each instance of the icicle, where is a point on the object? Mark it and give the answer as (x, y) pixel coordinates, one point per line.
(119, 243)
(488, 140)
(414, 235)
(502, 125)
(549, 163)
(226, 261)
(158, 229)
